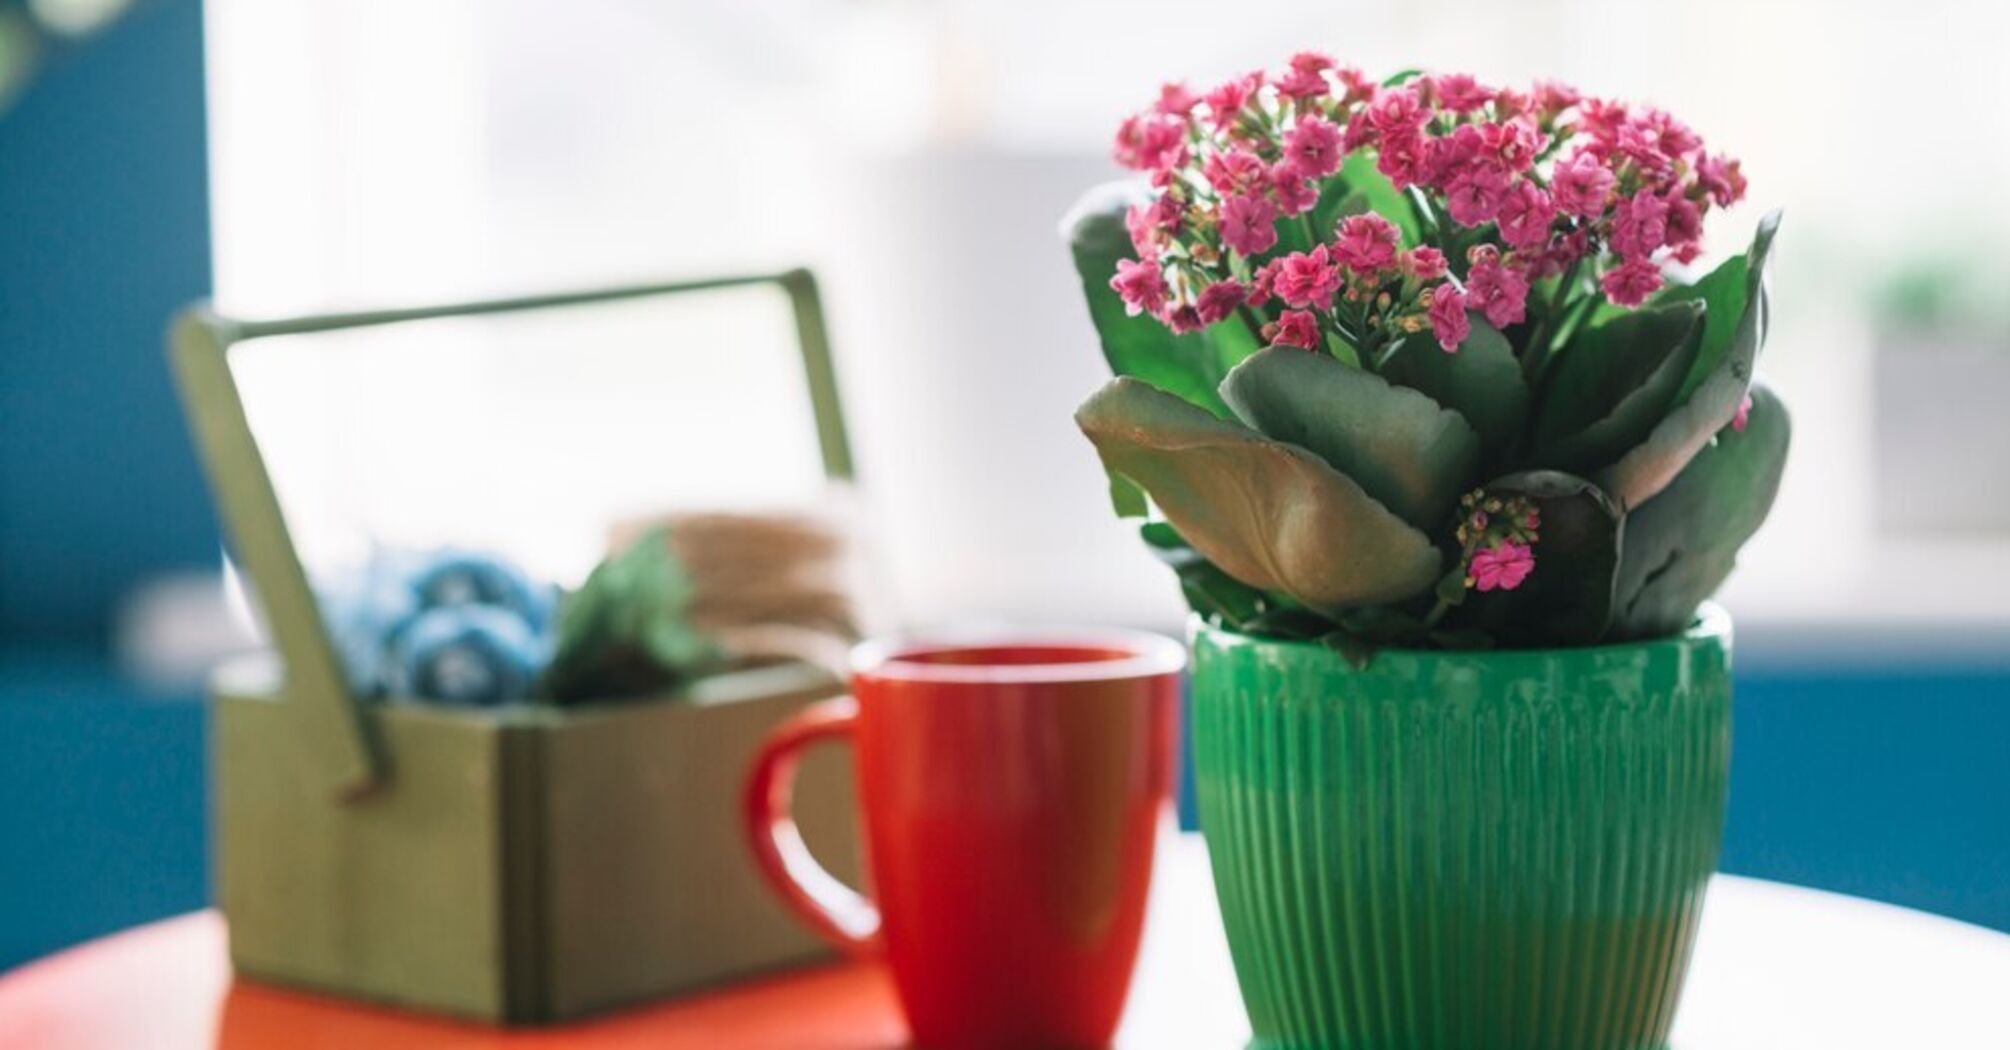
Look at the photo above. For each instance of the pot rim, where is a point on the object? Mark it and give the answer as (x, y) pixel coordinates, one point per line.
(1712, 626)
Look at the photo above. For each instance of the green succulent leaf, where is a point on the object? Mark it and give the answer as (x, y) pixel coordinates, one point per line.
(1271, 515)
(1605, 393)
(1191, 365)
(1126, 498)
(1401, 447)
(1734, 330)
(1358, 188)
(1208, 590)
(1568, 598)
(1481, 382)
(1681, 544)
(1290, 621)
(1357, 651)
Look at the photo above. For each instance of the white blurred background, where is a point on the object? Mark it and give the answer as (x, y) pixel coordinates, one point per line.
(919, 155)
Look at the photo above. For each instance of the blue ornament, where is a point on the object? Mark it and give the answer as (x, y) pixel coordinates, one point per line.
(362, 610)
(453, 578)
(466, 654)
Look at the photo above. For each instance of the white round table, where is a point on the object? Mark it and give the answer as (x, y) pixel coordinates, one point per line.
(1777, 968)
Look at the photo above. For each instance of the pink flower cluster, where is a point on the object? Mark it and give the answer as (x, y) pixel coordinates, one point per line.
(1497, 537)
(1513, 188)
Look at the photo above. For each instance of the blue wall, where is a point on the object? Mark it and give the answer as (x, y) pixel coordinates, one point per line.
(105, 221)
(103, 812)
(1889, 783)
(104, 214)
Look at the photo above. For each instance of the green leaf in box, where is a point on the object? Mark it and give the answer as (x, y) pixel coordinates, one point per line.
(523, 863)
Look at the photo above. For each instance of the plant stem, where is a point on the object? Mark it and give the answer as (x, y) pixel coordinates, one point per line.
(1249, 319)
(1537, 355)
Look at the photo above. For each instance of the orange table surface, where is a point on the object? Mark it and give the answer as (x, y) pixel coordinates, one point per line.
(1776, 967)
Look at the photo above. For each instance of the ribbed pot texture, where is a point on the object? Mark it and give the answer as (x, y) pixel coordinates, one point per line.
(1462, 850)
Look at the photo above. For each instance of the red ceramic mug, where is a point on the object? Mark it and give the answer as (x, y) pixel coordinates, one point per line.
(1011, 787)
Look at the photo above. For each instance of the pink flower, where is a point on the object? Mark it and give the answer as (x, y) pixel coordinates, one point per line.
(1314, 147)
(1217, 300)
(1367, 243)
(1676, 137)
(1360, 86)
(1141, 285)
(1640, 141)
(1249, 224)
(1176, 101)
(1510, 103)
(1234, 171)
(1553, 97)
(1307, 77)
(1397, 111)
(1459, 92)
(1151, 143)
(1515, 143)
(1720, 176)
(1580, 183)
(1295, 193)
(1402, 158)
(1448, 156)
(1144, 233)
(1631, 283)
(1685, 219)
(1502, 567)
(1306, 279)
(1259, 285)
(1297, 328)
(1225, 102)
(1744, 415)
(1639, 225)
(1182, 319)
(1525, 215)
(1360, 131)
(1500, 292)
(1448, 317)
(1424, 263)
(1601, 119)
(1475, 196)
(1151, 224)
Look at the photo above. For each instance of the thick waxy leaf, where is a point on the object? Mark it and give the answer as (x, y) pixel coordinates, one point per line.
(1717, 384)
(1190, 365)
(1567, 599)
(1608, 390)
(1208, 590)
(1400, 446)
(1482, 382)
(1357, 188)
(1271, 515)
(1126, 498)
(1681, 544)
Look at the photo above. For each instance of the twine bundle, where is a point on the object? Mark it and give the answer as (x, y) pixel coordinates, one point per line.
(688, 595)
(763, 586)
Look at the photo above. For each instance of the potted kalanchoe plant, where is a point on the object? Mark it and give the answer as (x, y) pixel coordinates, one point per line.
(1446, 456)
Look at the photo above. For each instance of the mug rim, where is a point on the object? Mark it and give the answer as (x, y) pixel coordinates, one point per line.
(1147, 654)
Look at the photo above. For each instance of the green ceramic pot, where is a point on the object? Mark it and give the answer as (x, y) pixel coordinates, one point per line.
(1462, 850)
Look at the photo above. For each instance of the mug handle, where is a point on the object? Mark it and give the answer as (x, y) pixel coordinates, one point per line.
(835, 911)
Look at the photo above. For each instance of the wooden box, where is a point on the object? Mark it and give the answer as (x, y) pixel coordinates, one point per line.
(529, 863)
